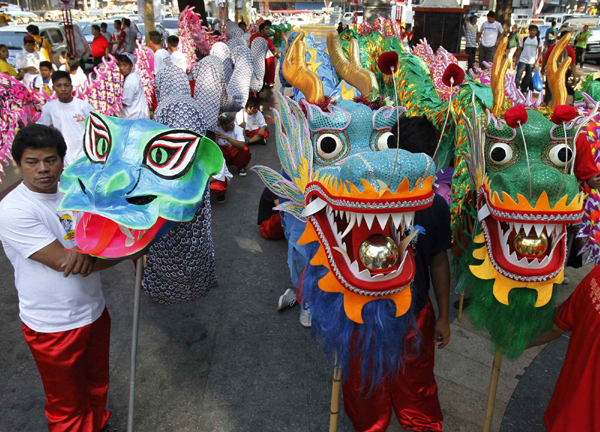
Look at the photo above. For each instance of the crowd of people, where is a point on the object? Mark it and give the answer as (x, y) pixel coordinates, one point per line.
(527, 53)
(68, 330)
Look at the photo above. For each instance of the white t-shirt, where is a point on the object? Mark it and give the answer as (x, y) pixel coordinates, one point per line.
(135, 105)
(48, 302)
(253, 122)
(69, 119)
(38, 83)
(130, 38)
(237, 134)
(78, 78)
(26, 59)
(490, 32)
(159, 59)
(530, 51)
(178, 59)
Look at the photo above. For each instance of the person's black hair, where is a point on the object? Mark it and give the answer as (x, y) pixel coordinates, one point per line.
(117, 21)
(3, 46)
(252, 102)
(64, 53)
(155, 37)
(173, 40)
(73, 64)
(262, 26)
(104, 25)
(243, 23)
(533, 27)
(268, 22)
(33, 29)
(491, 14)
(46, 64)
(126, 22)
(417, 135)
(125, 59)
(96, 27)
(37, 136)
(56, 75)
(472, 18)
(553, 23)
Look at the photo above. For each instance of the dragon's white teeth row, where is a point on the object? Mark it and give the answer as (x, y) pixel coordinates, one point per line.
(534, 263)
(398, 220)
(530, 228)
(366, 275)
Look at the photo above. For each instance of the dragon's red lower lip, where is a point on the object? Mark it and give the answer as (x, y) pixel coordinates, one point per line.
(99, 236)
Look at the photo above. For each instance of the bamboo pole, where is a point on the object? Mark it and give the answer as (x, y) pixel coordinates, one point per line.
(139, 270)
(489, 411)
(335, 399)
(460, 305)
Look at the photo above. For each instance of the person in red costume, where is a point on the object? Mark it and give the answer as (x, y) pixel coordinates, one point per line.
(263, 31)
(585, 168)
(573, 406)
(412, 393)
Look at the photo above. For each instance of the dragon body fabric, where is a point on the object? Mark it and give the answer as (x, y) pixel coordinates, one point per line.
(513, 192)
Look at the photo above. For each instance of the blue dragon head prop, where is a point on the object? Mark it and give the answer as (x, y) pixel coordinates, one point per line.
(138, 177)
(354, 196)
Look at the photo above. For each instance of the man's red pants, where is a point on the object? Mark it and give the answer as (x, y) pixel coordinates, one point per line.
(271, 228)
(218, 187)
(412, 394)
(74, 368)
(240, 158)
(270, 71)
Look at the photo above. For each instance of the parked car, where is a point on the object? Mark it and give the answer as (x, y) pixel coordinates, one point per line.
(592, 52)
(12, 37)
(348, 18)
(576, 24)
(170, 25)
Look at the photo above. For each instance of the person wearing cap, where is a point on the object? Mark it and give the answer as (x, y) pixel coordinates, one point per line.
(471, 40)
(28, 60)
(489, 36)
(230, 138)
(135, 105)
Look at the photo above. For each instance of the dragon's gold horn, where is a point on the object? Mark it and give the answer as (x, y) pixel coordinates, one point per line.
(499, 68)
(555, 73)
(297, 73)
(350, 70)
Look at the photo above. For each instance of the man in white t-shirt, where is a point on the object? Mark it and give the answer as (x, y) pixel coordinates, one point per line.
(135, 105)
(130, 36)
(61, 305)
(488, 37)
(253, 122)
(28, 60)
(177, 57)
(161, 55)
(529, 54)
(230, 138)
(68, 115)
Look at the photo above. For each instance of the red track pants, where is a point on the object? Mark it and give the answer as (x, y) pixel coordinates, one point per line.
(272, 228)
(235, 156)
(218, 187)
(270, 71)
(412, 395)
(74, 368)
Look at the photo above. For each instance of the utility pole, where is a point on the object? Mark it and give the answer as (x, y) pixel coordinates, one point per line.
(148, 18)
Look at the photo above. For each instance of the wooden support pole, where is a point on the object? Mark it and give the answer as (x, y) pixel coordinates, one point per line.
(489, 411)
(335, 399)
(460, 305)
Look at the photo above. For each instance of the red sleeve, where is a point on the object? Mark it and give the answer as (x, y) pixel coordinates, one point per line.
(571, 53)
(122, 35)
(574, 307)
(271, 46)
(547, 53)
(254, 36)
(585, 165)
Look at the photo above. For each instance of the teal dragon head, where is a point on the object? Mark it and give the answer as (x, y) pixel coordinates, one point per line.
(138, 177)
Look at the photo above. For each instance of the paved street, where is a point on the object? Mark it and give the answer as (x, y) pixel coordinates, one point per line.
(231, 363)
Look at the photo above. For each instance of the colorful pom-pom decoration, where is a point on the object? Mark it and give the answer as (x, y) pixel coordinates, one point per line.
(453, 75)
(515, 116)
(563, 113)
(388, 62)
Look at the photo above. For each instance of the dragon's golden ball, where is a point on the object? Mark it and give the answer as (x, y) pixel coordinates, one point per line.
(378, 252)
(531, 247)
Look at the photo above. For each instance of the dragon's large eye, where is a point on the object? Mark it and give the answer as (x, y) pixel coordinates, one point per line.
(501, 153)
(97, 140)
(329, 146)
(560, 155)
(172, 154)
(386, 141)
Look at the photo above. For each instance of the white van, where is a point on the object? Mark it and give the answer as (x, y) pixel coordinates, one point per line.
(576, 24)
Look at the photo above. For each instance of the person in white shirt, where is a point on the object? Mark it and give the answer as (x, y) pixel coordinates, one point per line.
(78, 77)
(244, 27)
(253, 122)
(44, 80)
(64, 316)
(135, 105)
(230, 138)
(489, 35)
(28, 60)
(529, 54)
(177, 57)
(68, 115)
(161, 55)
